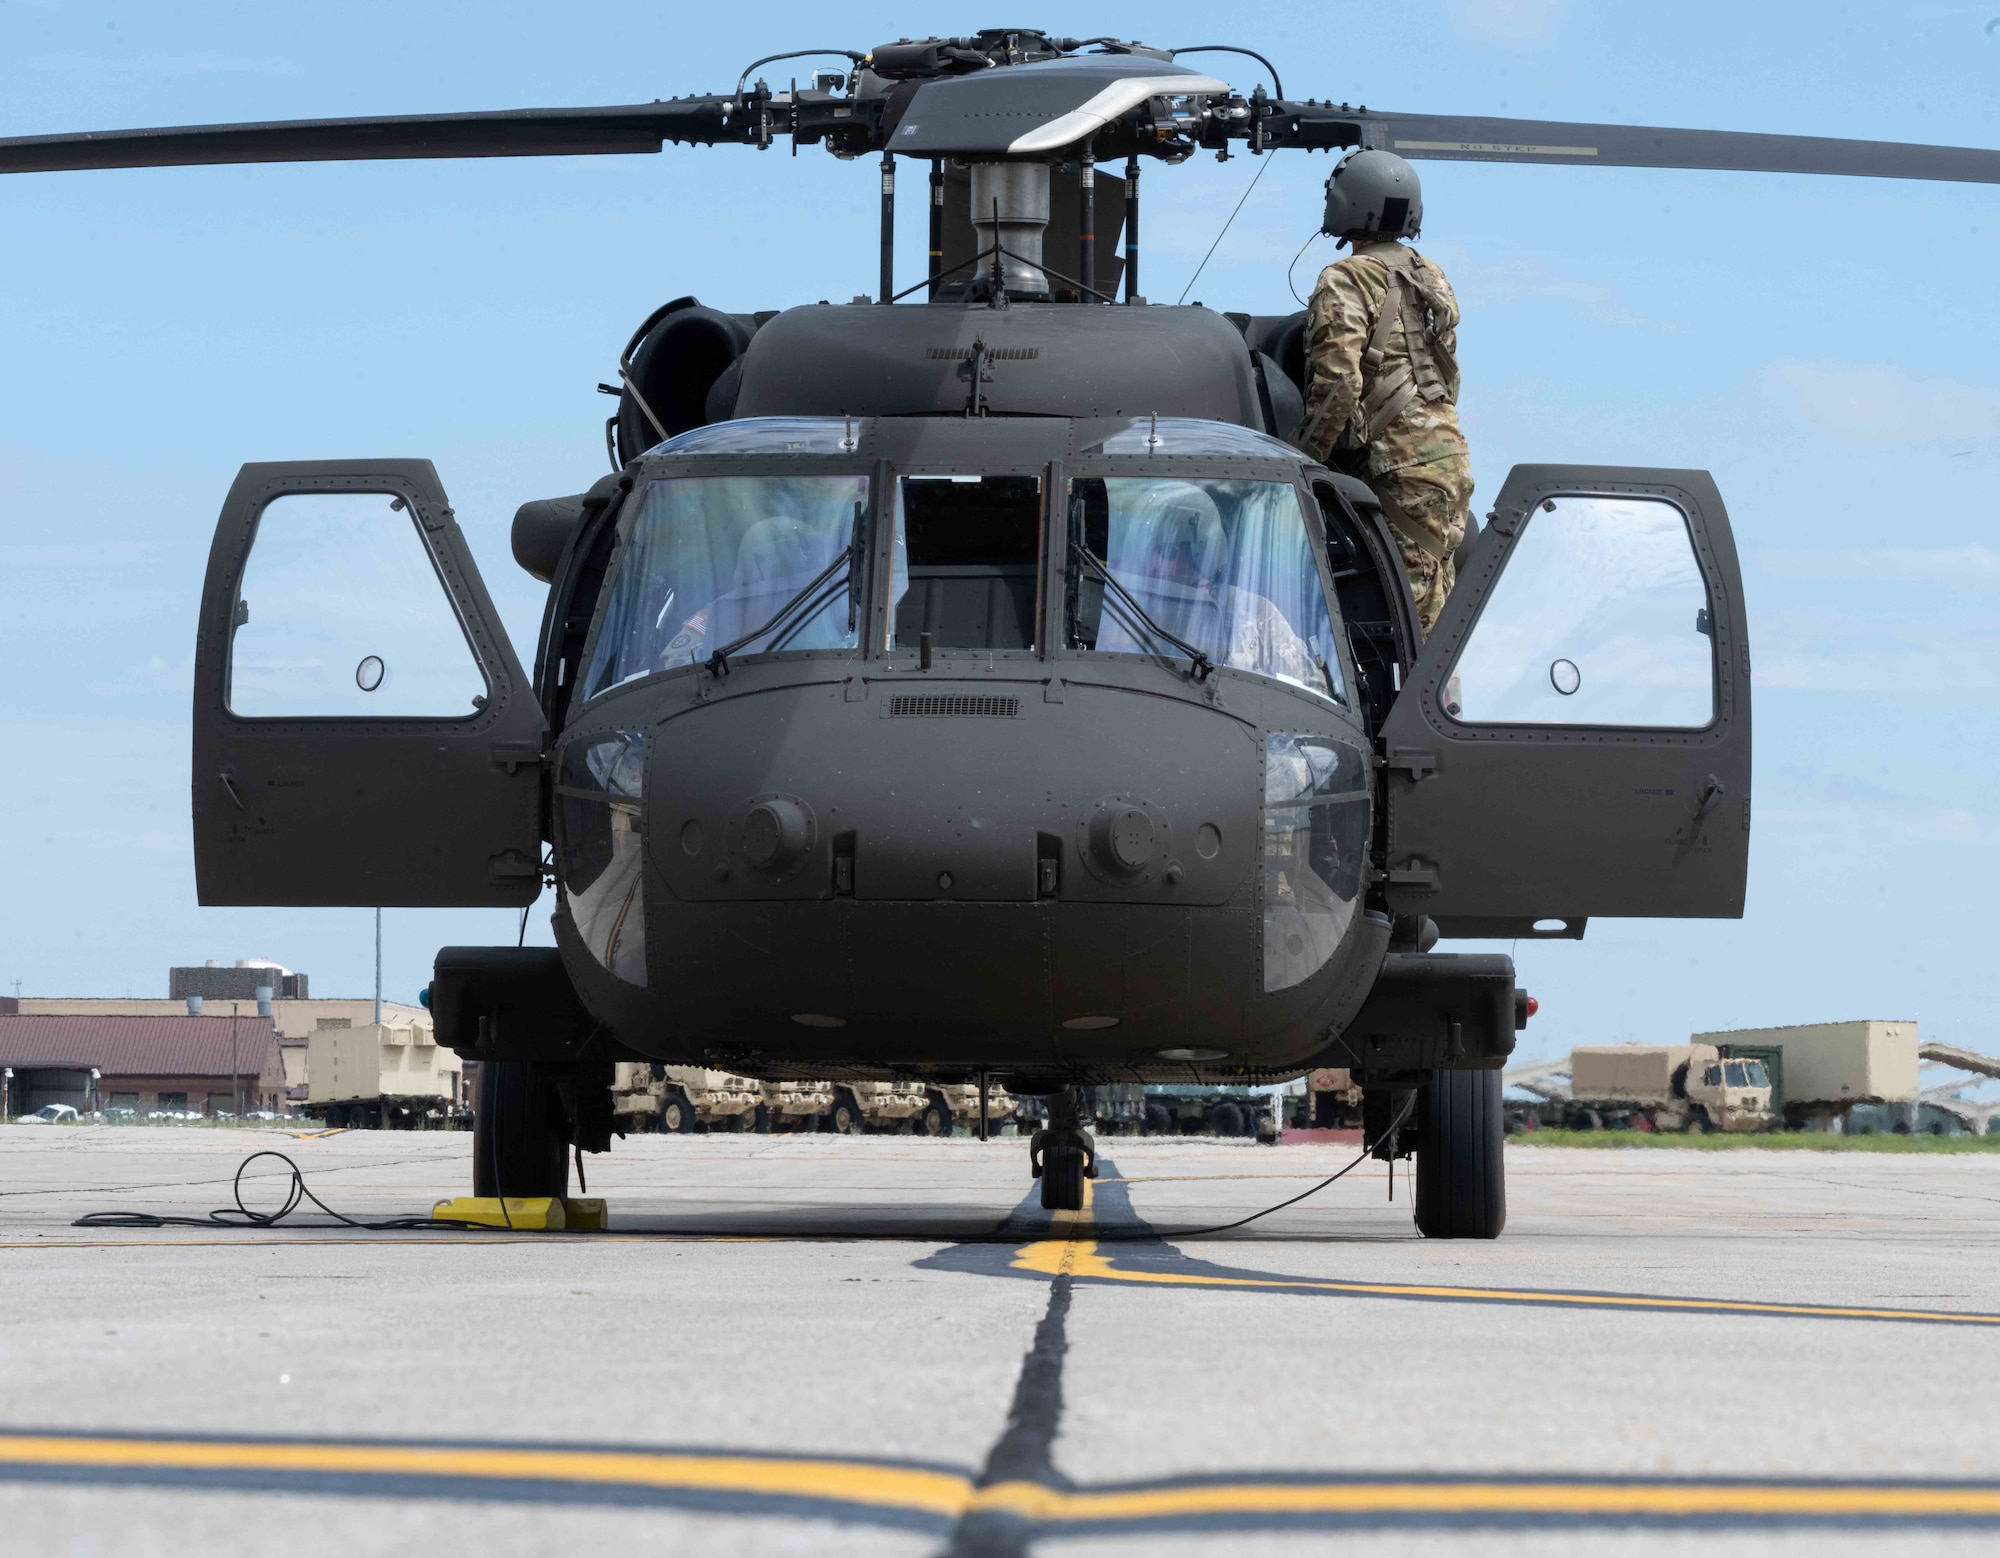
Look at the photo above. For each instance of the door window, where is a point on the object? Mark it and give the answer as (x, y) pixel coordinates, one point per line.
(341, 612)
(1225, 567)
(752, 564)
(1600, 618)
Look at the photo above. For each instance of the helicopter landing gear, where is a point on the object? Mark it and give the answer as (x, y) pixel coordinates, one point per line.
(519, 1136)
(1461, 1175)
(1062, 1154)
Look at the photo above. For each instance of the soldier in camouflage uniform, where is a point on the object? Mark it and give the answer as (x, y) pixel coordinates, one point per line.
(1382, 371)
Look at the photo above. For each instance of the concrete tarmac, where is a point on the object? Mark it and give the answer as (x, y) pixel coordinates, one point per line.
(882, 1345)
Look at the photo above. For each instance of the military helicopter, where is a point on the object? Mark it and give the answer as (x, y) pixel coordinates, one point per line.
(976, 681)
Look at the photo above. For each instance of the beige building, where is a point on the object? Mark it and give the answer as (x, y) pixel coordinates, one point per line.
(296, 1021)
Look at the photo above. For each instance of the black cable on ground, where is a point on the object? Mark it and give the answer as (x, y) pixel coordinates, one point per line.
(242, 1216)
(1367, 1149)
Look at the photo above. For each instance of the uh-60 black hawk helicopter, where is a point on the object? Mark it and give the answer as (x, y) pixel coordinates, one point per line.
(983, 686)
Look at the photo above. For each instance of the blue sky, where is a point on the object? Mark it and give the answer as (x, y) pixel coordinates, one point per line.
(1827, 347)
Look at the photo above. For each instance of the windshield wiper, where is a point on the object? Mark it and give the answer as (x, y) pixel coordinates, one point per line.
(1199, 665)
(718, 662)
(849, 558)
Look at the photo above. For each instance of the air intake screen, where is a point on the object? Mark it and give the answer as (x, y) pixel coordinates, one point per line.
(952, 706)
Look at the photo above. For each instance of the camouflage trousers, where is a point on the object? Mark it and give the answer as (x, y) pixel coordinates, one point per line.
(1434, 499)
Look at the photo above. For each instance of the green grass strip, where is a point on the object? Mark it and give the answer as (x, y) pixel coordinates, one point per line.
(1770, 1141)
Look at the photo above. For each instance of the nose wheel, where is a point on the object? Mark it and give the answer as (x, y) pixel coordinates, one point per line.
(1062, 1154)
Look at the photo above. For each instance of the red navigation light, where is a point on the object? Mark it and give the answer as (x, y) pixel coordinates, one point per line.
(1533, 1006)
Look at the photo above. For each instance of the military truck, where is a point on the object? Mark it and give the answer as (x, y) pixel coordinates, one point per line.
(875, 1106)
(649, 1097)
(1180, 1109)
(1819, 1071)
(1667, 1087)
(380, 1076)
(956, 1106)
(796, 1106)
(1332, 1100)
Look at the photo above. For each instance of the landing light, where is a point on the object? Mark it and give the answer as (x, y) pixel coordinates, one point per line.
(818, 1020)
(1194, 1054)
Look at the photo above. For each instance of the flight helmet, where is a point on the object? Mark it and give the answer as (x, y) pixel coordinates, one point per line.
(1375, 193)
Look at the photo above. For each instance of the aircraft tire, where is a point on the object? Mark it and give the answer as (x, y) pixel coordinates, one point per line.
(1226, 1121)
(1062, 1180)
(1461, 1171)
(517, 1133)
(936, 1120)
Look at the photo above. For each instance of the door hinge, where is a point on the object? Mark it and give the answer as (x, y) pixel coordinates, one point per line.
(1415, 761)
(513, 755)
(512, 866)
(1414, 874)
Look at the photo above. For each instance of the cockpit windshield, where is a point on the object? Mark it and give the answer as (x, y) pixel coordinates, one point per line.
(1221, 566)
(707, 560)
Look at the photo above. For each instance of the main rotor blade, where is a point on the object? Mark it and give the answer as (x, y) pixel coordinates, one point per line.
(523, 132)
(1456, 138)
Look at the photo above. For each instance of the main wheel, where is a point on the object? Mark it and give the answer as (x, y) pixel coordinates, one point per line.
(1461, 1175)
(1062, 1179)
(1226, 1120)
(518, 1141)
(935, 1120)
(1158, 1121)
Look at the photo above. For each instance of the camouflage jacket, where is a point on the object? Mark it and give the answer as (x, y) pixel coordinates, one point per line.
(1345, 320)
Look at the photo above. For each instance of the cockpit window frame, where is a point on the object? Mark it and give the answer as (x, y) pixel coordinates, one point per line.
(649, 469)
(885, 476)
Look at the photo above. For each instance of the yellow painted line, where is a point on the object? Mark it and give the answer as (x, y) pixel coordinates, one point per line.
(1044, 1505)
(949, 1495)
(848, 1482)
(1079, 1258)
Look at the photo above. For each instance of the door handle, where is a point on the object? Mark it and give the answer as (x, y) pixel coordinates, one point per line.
(1711, 792)
(229, 789)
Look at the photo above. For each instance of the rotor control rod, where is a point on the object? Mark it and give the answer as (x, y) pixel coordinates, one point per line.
(937, 223)
(888, 226)
(1131, 228)
(1086, 223)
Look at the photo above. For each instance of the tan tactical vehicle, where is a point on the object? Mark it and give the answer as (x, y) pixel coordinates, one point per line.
(957, 1104)
(1668, 1087)
(875, 1106)
(1332, 1099)
(677, 1098)
(797, 1106)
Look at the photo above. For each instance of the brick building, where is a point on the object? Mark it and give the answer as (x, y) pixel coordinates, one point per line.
(203, 1064)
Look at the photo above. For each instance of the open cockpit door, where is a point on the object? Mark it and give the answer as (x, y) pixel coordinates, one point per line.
(363, 733)
(1574, 739)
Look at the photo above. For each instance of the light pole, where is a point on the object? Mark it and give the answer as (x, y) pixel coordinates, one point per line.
(235, 1076)
(378, 968)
